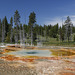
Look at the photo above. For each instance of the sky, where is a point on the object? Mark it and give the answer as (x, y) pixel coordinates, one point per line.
(47, 11)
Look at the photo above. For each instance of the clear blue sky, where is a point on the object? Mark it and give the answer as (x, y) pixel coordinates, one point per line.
(47, 11)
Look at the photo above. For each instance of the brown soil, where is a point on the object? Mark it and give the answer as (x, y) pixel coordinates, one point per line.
(66, 73)
(34, 66)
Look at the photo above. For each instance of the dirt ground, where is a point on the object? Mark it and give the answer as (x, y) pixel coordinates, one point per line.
(39, 67)
(50, 66)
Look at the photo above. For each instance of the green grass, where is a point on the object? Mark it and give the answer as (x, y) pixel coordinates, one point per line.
(48, 41)
(53, 41)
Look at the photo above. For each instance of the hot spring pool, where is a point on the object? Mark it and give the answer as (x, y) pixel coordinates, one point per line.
(42, 53)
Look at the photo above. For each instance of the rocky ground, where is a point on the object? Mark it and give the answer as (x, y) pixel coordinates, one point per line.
(55, 67)
(63, 66)
(39, 67)
(15, 68)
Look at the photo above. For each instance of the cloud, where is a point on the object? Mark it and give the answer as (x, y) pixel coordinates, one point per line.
(54, 21)
(59, 20)
(73, 16)
(73, 19)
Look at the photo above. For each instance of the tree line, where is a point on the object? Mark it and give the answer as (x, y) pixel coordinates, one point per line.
(16, 32)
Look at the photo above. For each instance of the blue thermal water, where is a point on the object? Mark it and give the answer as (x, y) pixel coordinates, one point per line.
(44, 53)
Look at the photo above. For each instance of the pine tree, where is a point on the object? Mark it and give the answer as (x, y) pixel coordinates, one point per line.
(11, 28)
(74, 38)
(21, 36)
(68, 27)
(63, 33)
(6, 29)
(3, 31)
(17, 24)
(32, 20)
(6, 26)
(24, 38)
(0, 30)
